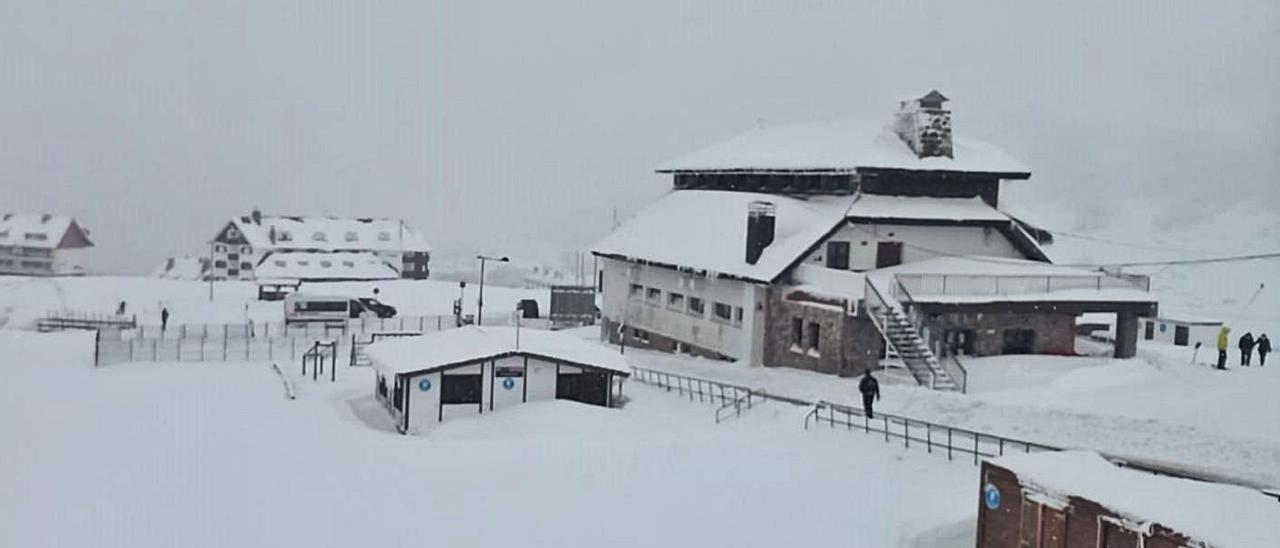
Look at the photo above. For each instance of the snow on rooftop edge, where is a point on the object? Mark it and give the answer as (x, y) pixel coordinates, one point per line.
(924, 207)
(1220, 514)
(839, 145)
(442, 348)
(707, 230)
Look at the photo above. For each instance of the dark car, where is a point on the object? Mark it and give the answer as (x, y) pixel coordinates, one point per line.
(380, 309)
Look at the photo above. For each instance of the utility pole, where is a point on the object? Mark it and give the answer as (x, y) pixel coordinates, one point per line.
(480, 300)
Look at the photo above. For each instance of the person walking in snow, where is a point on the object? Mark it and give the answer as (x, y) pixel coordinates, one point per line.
(164, 319)
(1224, 342)
(870, 389)
(1264, 348)
(1246, 349)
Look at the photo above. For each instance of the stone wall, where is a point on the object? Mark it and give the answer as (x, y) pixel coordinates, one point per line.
(1054, 332)
(847, 344)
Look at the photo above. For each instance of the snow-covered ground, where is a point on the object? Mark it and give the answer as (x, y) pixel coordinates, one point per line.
(24, 300)
(1157, 407)
(195, 455)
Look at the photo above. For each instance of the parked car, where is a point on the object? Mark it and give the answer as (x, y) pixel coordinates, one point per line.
(381, 309)
(303, 308)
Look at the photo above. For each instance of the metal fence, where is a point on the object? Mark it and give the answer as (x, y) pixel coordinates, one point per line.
(109, 351)
(931, 436)
(69, 319)
(267, 330)
(696, 389)
(921, 285)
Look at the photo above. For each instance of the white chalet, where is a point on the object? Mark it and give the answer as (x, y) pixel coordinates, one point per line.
(279, 247)
(41, 244)
(832, 246)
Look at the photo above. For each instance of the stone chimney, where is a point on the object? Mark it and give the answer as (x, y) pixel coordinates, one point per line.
(760, 224)
(925, 126)
(256, 215)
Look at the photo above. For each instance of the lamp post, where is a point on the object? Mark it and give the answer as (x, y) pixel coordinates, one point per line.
(480, 300)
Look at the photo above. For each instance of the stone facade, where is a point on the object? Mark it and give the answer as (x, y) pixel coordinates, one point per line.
(1051, 333)
(847, 345)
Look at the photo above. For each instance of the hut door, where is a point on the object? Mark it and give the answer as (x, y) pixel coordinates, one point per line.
(1181, 334)
(1150, 330)
(585, 387)
(1053, 528)
(1029, 525)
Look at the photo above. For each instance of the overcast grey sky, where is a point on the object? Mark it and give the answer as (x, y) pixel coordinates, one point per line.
(490, 124)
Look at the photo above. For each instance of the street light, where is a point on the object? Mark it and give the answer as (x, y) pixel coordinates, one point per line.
(480, 300)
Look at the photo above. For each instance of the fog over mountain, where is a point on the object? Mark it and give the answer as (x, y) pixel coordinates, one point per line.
(494, 124)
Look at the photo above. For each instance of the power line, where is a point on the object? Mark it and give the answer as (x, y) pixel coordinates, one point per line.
(1108, 241)
(1229, 259)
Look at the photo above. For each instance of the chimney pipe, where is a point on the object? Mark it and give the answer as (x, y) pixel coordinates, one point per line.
(761, 218)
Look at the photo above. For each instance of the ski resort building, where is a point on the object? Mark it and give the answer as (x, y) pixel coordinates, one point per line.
(425, 380)
(41, 244)
(832, 246)
(1076, 499)
(317, 249)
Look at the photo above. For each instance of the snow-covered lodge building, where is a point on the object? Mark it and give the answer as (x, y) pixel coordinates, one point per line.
(279, 247)
(829, 246)
(41, 244)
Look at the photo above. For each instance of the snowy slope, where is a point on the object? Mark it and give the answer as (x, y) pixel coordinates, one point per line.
(161, 455)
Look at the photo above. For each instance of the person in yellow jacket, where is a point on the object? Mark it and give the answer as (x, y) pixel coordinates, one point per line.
(1224, 342)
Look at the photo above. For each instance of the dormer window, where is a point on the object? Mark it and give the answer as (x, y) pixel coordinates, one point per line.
(280, 263)
(384, 236)
(349, 264)
(319, 237)
(284, 236)
(304, 263)
(352, 236)
(37, 236)
(326, 264)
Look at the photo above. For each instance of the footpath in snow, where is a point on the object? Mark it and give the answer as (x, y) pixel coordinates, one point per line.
(1156, 408)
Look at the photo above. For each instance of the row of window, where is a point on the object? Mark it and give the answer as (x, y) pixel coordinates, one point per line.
(29, 236)
(220, 248)
(688, 304)
(805, 340)
(286, 236)
(19, 251)
(34, 265)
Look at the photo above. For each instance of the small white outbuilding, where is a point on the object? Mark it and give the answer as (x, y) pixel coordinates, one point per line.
(424, 380)
(1181, 329)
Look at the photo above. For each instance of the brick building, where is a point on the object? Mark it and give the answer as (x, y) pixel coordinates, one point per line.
(1076, 499)
(832, 246)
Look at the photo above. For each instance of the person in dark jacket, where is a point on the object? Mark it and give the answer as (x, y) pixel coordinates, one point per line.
(870, 389)
(164, 319)
(1246, 349)
(1264, 348)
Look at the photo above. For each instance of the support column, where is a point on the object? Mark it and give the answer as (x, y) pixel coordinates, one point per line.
(1126, 335)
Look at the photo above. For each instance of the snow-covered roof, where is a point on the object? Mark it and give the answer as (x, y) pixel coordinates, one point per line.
(319, 265)
(874, 206)
(841, 146)
(41, 230)
(979, 279)
(1217, 514)
(707, 230)
(442, 349)
(330, 234)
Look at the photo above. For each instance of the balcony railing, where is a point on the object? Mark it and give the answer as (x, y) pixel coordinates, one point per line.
(922, 285)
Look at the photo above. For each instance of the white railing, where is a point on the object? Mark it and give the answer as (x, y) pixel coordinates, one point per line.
(920, 285)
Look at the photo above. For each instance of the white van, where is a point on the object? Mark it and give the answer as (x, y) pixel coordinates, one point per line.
(303, 308)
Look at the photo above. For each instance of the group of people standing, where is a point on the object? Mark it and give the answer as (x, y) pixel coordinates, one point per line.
(1247, 345)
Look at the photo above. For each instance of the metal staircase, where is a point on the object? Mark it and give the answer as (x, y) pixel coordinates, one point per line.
(903, 340)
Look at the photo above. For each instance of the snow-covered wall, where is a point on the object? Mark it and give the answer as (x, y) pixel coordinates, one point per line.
(919, 243)
(425, 411)
(733, 338)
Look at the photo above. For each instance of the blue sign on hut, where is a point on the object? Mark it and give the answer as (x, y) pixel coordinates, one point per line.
(422, 381)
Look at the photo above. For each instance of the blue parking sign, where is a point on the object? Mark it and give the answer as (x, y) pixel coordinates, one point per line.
(424, 385)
